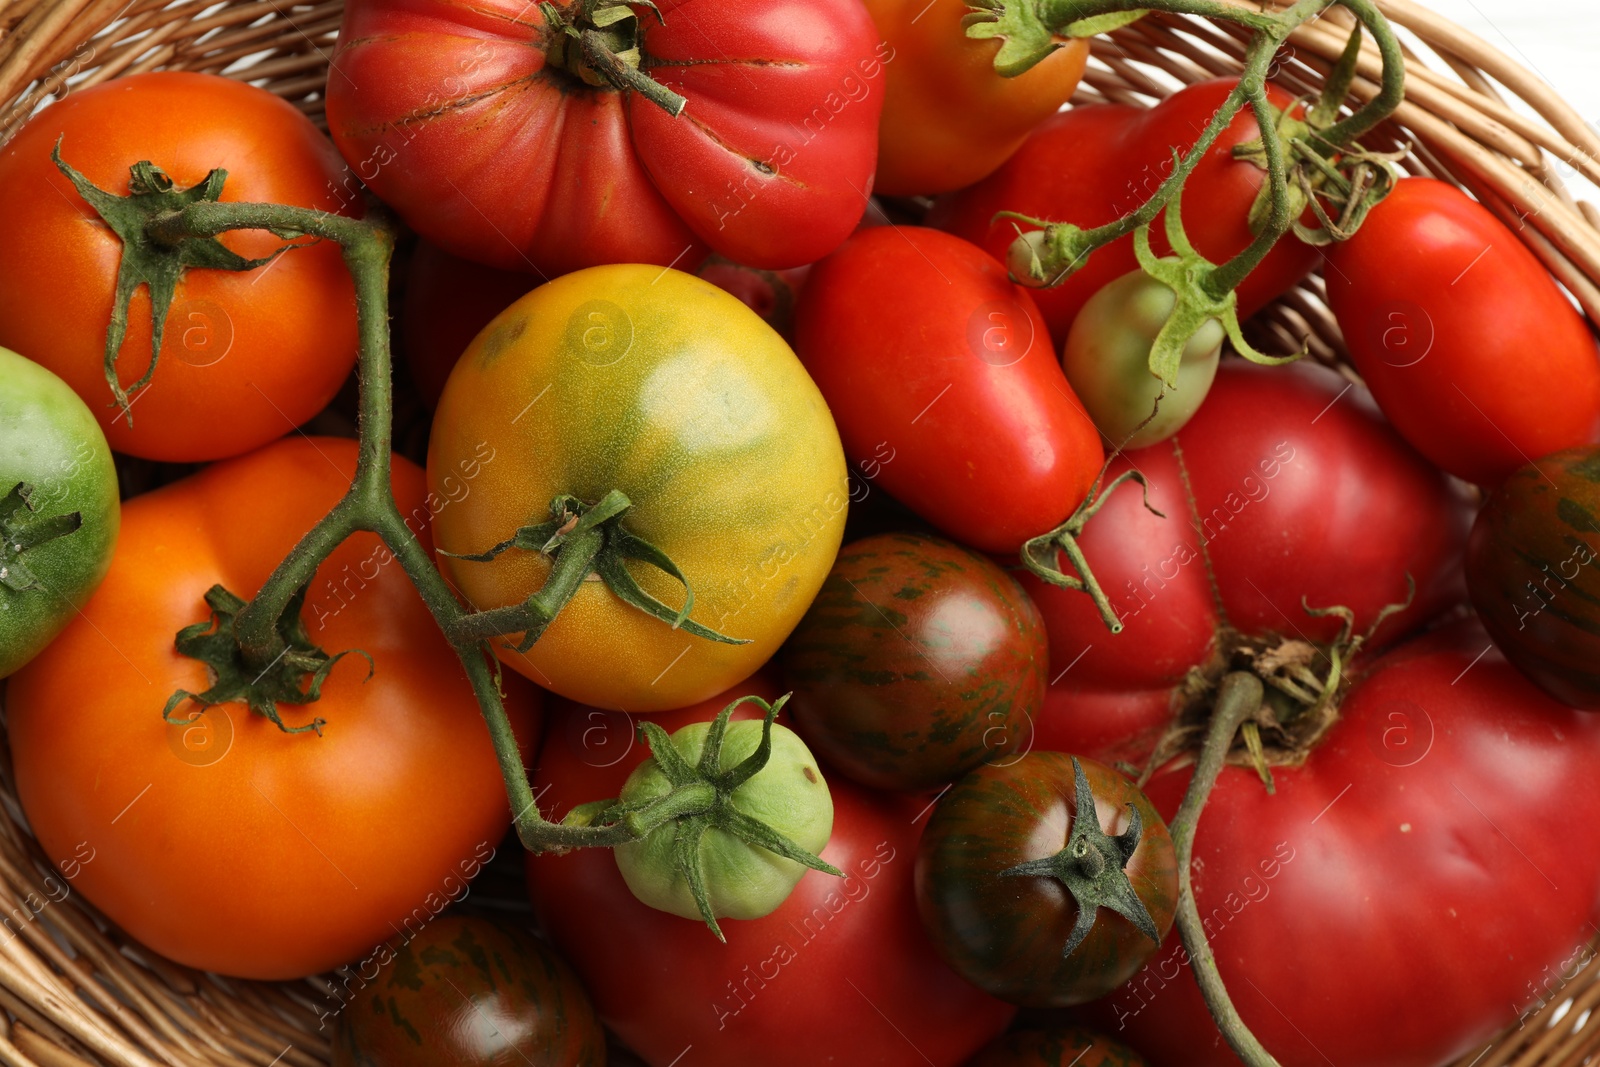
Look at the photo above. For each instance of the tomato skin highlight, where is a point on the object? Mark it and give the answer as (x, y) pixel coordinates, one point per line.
(1415, 849)
(245, 357)
(465, 992)
(1006, 934)
(49, 441)
(924, 347)
(1469, 346)
(917, 661)
(443, 107)
(660, 385)
(841, 973)
(1092, 164)
(949, 118)
(381, 820)
(1530, 569)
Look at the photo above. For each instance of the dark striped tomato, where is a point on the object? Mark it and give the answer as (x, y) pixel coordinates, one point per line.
(465, 992)
(1071, 1047)
(917, 661)
(1532, 573)
(1007, 934)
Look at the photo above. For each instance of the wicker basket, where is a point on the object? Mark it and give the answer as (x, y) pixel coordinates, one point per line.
(76, 991)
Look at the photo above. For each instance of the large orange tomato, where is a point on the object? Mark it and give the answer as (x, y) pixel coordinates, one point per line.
(227, 844)
(245, 357)
(948, 118)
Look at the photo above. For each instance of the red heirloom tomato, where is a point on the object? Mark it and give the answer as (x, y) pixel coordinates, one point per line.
(1410, 887)
(841, 973)
(949, 118)
(225, 843)
(486, 127)
(1286, 490)
(1092, 164)
(945, 387)
(1470, 348)
(245, 356)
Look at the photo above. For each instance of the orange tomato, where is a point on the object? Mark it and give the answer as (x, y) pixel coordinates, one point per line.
(245, 356)
(227, 844)
(948, 118)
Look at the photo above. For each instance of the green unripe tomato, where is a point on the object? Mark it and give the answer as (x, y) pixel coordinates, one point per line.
(743, 881)
(49, 440)
(1107, 360)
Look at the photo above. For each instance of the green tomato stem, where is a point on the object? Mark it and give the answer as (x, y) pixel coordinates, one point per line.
(1238, 698)
(369, 504)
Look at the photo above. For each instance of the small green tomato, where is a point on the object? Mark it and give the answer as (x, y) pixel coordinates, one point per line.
(1107, 360)
(742, 878)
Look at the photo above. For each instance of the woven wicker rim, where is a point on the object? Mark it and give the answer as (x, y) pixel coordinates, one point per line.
(78, 992)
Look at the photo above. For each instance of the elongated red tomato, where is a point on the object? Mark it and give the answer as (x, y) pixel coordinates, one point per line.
(1093, 164)
(485, 128)
(945, 387)
(1469, 347)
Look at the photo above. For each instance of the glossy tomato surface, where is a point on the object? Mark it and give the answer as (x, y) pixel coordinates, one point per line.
(454, 114)
(245, 357)
(1531, 569)
(944, 381)
(1007, 933)
(1287, 491)
(466, 992)
(1470, 347)
(1092, 164)
(841, 973)
(666, 388)
(1415, 858)
(381, 819)
(918, 661)
(949, 118)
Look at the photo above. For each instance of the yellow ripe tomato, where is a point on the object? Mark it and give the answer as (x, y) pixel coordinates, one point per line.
(948, 118)
(662, 386)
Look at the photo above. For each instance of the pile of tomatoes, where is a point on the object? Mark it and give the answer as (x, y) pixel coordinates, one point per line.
(742, 272)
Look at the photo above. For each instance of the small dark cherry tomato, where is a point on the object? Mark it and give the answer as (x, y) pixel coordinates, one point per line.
(1002, 922)
(1069, 1047)
(466, 992)
(917, 661)
(1533, 569)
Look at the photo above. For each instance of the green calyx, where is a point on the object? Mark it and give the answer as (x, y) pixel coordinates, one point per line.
(1339, 184)
(22, 530)
(216, 644)
(1092, 867)
(148, 260)
(582, 539)
(697, 799)
(1193, 278)
(598, 42)
(1029, 30)
(1041, 554)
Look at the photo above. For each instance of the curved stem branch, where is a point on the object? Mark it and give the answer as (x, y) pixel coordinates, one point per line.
(1238, 698)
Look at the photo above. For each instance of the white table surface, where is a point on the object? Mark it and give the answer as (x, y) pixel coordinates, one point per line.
(1557, 39)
